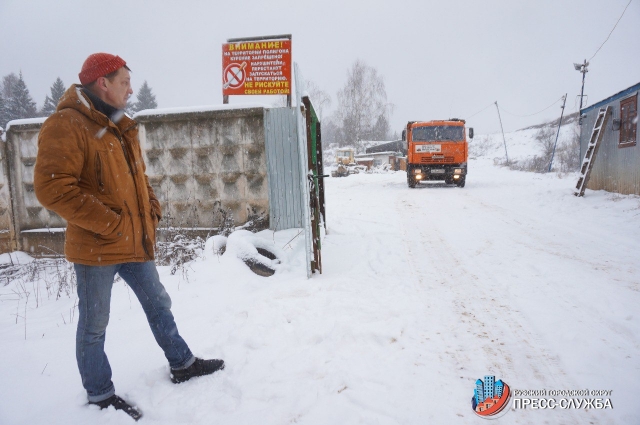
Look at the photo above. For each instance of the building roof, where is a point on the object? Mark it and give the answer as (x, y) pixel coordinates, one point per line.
(368, 154)
(396, 146)
(610, 99)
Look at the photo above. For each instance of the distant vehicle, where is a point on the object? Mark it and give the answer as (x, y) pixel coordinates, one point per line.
(345, 156)
(437, 150)
(345, 162)
(340, 171)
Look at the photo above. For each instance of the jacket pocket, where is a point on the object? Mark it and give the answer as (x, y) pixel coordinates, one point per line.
(117, 234)
(103, 187)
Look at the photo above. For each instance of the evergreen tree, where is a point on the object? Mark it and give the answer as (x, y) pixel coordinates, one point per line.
(2, 110)
(5, 93)
(8, 81)
(51, 102)
(146, 99)
(20, 104)
(130, 108)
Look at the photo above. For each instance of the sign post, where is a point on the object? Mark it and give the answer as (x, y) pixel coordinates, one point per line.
(257, 66)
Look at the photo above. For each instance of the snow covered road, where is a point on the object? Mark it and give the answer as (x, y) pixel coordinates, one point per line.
(423, 291)
(511, 275)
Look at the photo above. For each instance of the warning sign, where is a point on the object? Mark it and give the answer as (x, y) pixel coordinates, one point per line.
(256, 67)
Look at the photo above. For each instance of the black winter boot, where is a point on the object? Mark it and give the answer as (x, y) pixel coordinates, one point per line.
(119, 404)
(198, 368)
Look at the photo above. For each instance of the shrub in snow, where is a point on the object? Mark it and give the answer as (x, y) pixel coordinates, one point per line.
(179, 246)
(178, 250)
(568, 153)
(31, 275)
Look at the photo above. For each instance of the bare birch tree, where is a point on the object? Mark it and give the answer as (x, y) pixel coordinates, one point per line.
(319, 98)
(363, 111)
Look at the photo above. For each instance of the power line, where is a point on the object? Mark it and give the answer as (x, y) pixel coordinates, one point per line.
(614, 27)
(486, 107)
(530, 115)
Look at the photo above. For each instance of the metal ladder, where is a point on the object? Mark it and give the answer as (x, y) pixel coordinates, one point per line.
(592, 149)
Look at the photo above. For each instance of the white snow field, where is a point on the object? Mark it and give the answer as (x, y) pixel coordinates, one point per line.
(423, 291)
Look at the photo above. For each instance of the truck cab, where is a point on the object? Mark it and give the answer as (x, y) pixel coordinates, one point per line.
(437, 150)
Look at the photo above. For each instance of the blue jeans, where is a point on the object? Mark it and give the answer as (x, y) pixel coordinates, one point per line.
(94, 298)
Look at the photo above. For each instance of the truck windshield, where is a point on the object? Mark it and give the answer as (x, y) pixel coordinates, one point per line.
(441, 132)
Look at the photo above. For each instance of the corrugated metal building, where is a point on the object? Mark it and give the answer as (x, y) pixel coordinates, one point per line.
(395, 146)
(617, 165)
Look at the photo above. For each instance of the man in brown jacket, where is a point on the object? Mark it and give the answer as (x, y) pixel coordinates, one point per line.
(91, 172)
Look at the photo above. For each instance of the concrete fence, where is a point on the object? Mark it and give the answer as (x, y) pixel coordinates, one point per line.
(200, 163)
(204, 165)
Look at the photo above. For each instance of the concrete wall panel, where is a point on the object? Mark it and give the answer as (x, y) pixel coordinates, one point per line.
(197, 162)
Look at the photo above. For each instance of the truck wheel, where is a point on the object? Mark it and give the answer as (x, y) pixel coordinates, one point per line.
(411, 182)
(461, 182)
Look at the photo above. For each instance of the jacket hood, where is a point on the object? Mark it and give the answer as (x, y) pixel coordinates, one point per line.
(74, 98)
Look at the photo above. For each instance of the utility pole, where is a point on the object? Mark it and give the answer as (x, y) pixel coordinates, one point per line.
(503, 139)
(564, 101)
(581, 67)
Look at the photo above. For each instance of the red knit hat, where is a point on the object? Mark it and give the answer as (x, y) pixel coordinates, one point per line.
(98, 65)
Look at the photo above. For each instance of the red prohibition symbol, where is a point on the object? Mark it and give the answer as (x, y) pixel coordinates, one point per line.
(234, 75)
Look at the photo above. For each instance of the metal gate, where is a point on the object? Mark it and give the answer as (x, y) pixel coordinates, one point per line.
(292, 168)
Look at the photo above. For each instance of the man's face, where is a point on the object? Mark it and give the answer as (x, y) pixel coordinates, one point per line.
(118, 91)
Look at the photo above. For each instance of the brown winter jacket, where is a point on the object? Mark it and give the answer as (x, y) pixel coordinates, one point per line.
(90, 171)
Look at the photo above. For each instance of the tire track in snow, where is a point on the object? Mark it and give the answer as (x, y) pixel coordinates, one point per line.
(541, 239)
(464, 293)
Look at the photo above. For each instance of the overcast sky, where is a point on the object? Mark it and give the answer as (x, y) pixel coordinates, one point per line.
(439, 59)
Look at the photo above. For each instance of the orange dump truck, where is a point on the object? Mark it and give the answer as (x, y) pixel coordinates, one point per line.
(437, 150)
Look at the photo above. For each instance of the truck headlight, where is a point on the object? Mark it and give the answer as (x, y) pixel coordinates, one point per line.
(417, 171)
(418, 176)
(457, 171)
(456, 177)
